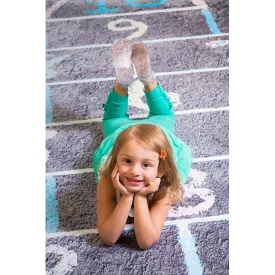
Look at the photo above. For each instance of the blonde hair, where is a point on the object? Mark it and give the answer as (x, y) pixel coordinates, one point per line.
(152, 138)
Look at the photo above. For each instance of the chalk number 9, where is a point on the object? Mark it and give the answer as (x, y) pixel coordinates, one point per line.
(140, 26)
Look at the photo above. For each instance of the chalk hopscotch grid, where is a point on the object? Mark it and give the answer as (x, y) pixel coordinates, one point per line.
(186, 239)
(91, 170)
(191, 71)
(140, 116)
(170, 39)
(178, 222)
(200, 7)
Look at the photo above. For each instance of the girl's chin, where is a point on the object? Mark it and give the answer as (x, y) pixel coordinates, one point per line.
(134, 189)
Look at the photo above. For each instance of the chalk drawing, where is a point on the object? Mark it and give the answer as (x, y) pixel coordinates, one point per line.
(133, 3)
(140, 26)
(49, 134)
(49, 106)
(55, 7)
(67, 262)
(217, 43)
(50, 72)
(189, 248)
(194, 188)
(136, 92)
(52, 220)
(198, 2)
(210, 21)
(100, 8)
(174, 98)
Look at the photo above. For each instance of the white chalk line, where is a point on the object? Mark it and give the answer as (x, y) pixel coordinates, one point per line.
(70, 172)
(71, 233)
(91, 170)
(81, 81)
(139, 116)
(144, 41)
(212, 158)
(178, 222)
(190, 71)
(203, 110)
(74, 122)
(109, 15)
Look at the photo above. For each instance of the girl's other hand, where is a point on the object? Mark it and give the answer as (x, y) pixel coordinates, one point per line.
(117, 184)
(150, 188)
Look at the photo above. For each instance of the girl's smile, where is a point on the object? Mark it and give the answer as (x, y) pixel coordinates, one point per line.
(134, 182)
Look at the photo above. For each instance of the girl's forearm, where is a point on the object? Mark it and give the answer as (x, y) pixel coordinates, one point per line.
(111, 229)
(145, 230)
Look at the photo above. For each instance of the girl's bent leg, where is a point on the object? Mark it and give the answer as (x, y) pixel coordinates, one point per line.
(150, 87)
(120, 89)
(160, 108)
(158, 102)
(115, 109)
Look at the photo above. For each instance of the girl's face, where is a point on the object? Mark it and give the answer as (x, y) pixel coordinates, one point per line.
(136, 165)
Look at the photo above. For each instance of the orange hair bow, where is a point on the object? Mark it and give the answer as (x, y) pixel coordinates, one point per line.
(163, 154)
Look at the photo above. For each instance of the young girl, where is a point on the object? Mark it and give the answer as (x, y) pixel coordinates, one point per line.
(141, 165)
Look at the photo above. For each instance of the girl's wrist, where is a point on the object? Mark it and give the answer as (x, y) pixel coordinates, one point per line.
(139, 196)
(129, 196)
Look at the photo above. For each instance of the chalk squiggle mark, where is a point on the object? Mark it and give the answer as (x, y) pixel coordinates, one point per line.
(67, 262)
(55, 7)
(217, 43)
(51, 62)
(136, 92)
(194, 188)
(198, 2)
(49, 134)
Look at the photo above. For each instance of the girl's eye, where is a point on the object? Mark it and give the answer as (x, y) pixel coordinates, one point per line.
(146, 165)
(127, 161)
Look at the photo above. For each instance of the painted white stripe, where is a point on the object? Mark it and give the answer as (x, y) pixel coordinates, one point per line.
(198, 220)
(73, 122)
(80, 81)
(191, 71)
(202, 70)
(79, 47)
(144, 41)
(185, 38)
(70, 172)
(131, 226)
(71, 233)
(139, 116)
(189, 249)
(213, 158)
(91, 170)
(126, 14)
(204, 110)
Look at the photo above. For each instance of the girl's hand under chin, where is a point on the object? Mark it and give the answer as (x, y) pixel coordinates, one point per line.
(150, 188)
(117, 184)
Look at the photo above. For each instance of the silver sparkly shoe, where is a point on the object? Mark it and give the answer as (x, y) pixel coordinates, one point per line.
(121, 52)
